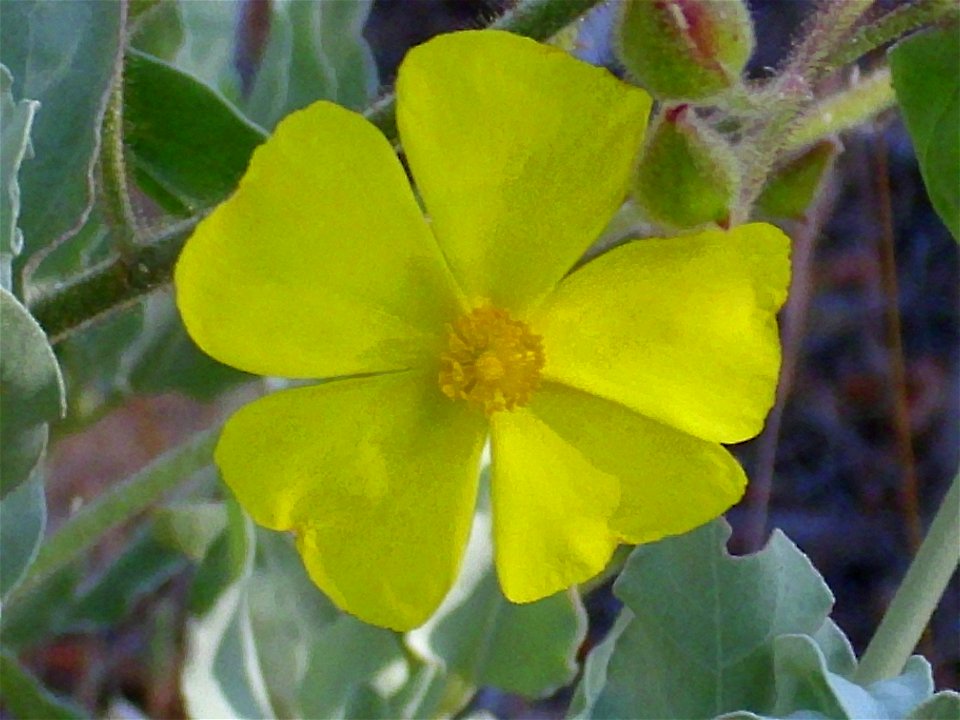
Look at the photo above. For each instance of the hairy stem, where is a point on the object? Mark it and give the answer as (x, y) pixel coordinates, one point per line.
(113, 284)
(918, 595)
(863, 100)
(889, 27)
(114, 195)
(792, 90)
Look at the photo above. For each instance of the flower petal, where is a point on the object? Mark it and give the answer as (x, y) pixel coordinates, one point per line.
(682, 330)
(550, 509)
(321, 263)
(575, 474)
(669, 482)
(378, 477)
(521, 154)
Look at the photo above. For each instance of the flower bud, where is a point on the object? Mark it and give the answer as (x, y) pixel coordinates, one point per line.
(685, 49)
(794, 185)
(687, 176)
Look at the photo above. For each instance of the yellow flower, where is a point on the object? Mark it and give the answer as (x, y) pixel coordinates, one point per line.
(606, 392)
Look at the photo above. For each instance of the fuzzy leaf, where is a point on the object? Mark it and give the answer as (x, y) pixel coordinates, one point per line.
(16, 119)
(696, 607)
(64, 55)
(31, 393)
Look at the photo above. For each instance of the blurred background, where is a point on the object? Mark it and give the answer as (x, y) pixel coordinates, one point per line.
(844, 483)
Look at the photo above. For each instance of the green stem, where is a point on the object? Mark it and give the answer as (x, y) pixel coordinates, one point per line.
(844, 110)
(113, 284)
(119, 281)
(114, 197)
(116, 506)
(792, 91)
(25, 696)
(918, 595)
(891, 26)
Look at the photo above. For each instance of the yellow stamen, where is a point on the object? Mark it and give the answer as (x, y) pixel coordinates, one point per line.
(491, 361)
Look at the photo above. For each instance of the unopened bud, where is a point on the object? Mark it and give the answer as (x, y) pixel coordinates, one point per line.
(795, 184)
(687, 176)
(685, 49)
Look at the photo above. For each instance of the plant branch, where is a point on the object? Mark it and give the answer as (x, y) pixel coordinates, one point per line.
(868, 97)
(114, 196)
(909, 495)
(891, 26)
(113, 284)
(116, 506)
(918, 595)
(792, 90)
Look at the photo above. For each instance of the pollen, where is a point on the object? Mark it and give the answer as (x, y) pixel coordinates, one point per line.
(492, 360)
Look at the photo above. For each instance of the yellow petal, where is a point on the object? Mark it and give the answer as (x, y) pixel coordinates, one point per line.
(682, 330)
(521, 154)
(550, 508)
(669, 482)
(321, 263)
(378, 478)
(573, 474)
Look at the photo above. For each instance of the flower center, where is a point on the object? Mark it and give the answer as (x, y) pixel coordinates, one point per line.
(491, 361)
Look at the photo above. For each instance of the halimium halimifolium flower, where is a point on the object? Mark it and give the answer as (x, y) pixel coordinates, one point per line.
(605, 392)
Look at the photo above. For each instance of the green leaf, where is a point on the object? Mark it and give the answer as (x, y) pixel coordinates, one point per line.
(942, 706)
(288, 618)
(190, 528)
(208, 49)
(40, 612)
(188, 145)
(315, 50)
(16, 119)
(156, 27)
(31, 393)
(927, 84)
(142, 566)
(346, 657)
(23, 517)
(701, 639)
(795, 184)
(26, 697)
(483, 639)
(221, 675)
(253, 607)
(63, 54)
(805, 685)
(594, 678)
(836, 649)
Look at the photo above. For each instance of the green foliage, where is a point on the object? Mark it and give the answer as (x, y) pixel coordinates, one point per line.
(31, 393)
(16, 119)
(755, 631)
(23, 517)
(927, 84)
(696, 606)
(47, 46)
(189, 146)
(795, 184)
(140, 568)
